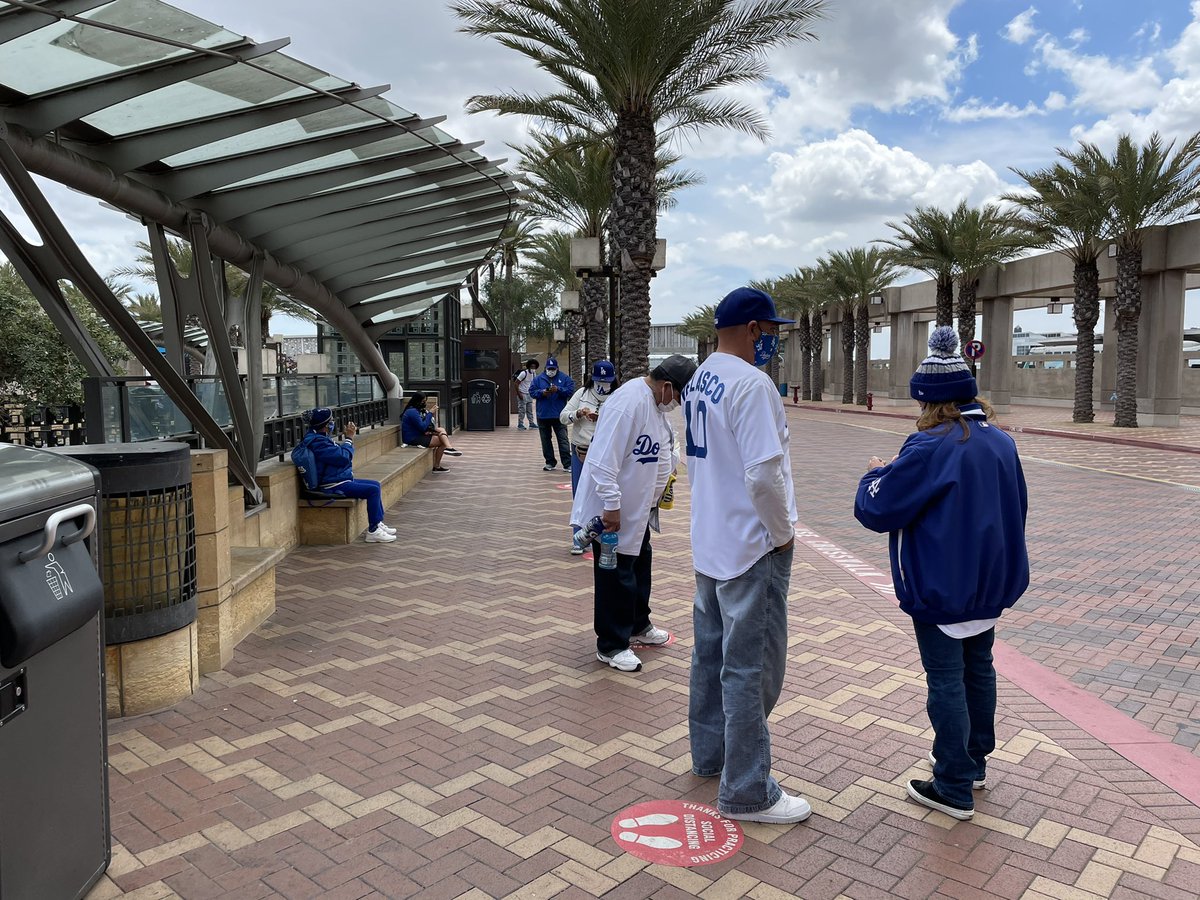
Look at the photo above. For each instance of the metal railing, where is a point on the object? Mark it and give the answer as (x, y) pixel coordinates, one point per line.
(130, 408)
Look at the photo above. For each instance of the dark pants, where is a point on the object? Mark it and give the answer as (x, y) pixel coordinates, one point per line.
(961, 706)
(545, 426)
(364, 489)
(622, 604)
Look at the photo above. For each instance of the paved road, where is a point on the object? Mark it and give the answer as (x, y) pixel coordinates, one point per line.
(1114, 603)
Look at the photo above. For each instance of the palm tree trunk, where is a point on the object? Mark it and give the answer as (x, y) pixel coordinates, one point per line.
(945, 300)
(967, 290)
(634, 219)
(818, 345)
(804, 347)
(1129, 310)
(595, 317)
(1087, 313)
(862, 361)
(579, 363)
(848, 354)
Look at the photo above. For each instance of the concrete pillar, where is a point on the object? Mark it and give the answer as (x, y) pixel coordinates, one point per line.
(995, 375)
(833, 384)
(1160, 349)
(1107, 373)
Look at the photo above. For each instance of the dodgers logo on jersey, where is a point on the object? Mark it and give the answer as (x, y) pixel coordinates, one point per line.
(645, 449)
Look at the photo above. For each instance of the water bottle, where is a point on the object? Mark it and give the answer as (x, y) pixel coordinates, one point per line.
(585, 536)
(608, 549)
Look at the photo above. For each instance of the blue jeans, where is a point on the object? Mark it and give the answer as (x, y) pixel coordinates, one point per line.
(546, 426)
(364, 489)
(738, 662)
(961, 706)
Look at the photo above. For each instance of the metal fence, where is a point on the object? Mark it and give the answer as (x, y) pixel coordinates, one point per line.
(130, 408)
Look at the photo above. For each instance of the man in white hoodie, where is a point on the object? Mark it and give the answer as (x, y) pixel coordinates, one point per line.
(627, 467)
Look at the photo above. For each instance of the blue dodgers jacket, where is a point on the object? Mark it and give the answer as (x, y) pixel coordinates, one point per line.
(413, 424)
(955, 510)
(333, 460)
(550, 406)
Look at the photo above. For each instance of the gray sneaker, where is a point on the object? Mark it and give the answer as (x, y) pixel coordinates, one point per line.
(652, 636)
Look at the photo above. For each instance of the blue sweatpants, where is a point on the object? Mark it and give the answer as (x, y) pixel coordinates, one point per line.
(364, 489)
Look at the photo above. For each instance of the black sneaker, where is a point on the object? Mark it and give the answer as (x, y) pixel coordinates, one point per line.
(925, 794)
(549, 468)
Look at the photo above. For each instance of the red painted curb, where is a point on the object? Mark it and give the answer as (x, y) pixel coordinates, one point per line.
(1024, 429)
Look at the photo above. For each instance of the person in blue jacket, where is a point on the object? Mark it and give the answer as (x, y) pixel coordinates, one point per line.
(552, 389)
(954, 502)
(335, 473)
(418, 429)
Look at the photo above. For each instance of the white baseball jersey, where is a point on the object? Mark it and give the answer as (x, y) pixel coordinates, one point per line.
(627, 465)
(734, 420)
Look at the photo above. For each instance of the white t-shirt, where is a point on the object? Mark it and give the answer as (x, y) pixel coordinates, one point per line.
(524, 380)
(734, 420)
(627, 465)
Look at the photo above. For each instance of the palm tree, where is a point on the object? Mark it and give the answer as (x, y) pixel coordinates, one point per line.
(699, 325)
(925, 241)
(549, 257)
(1142, 186)
(983, 236)
(515, 240)
(144, 307)
(630, 72)
(865, 272)
(1067, 207)
(795, 298)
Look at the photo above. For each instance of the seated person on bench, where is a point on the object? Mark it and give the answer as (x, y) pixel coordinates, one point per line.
(334, 474)
(417, 429)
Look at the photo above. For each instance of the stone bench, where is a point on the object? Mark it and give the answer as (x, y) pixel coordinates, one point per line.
(341, 521)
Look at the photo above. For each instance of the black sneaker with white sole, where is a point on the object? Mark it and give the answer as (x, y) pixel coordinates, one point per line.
(926, 794)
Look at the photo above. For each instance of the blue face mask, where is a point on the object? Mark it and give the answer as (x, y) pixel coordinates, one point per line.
(765, 347)
(601, 388)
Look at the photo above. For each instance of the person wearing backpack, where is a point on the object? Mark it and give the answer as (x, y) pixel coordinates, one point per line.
(329, 465)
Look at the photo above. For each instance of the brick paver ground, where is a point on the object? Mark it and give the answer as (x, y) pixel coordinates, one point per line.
(427, 718)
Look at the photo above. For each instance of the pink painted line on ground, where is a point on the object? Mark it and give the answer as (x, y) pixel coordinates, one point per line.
(1153, 753)
(1023, 429)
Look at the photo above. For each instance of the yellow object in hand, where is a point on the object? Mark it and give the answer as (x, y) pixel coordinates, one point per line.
(667, 501)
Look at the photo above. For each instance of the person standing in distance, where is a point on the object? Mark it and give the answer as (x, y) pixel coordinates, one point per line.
(552, 389)
(743, 517)
(627, 466)
(524, 379)
(954, 503)
(580, 414)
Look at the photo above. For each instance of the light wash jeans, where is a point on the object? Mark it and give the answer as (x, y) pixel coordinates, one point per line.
(738, 662)
(961, 704)
(525, 414)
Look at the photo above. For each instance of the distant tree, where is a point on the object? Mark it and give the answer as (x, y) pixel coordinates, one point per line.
(36, 366)
(699, 325)
(522, 307)
(925, 241)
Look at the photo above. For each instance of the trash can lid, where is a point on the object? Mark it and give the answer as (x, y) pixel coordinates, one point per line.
(32, 479)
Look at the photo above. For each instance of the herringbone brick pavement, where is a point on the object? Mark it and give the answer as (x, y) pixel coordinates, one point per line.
(427, 718)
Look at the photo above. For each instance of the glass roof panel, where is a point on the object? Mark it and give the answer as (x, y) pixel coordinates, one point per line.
(235, 87)
(67, 53)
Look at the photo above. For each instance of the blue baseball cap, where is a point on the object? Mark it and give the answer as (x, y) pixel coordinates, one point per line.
(747, 305)
(551, 362)
(603, 370)
(319, 417)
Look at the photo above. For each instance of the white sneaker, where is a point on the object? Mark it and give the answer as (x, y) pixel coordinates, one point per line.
(787, 810)
(384, 526)
(379, 536)
(979, 785)
(576, 550)
(624, 660)
(652, 635)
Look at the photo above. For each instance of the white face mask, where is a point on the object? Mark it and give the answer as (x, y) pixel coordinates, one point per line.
(550, 373)
(668, 407)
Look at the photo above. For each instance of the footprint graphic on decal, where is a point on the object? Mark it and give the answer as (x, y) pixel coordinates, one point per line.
(654, 819)
(651, 840)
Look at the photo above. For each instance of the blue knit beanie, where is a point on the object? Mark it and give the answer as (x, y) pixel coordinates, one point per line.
(943, 376)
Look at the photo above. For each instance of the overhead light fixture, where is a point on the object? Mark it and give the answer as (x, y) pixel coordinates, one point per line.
(1112, 251)
(560, 335)
(1054, 307)
(585, 253)
(481, 324)
(660, 255)
(569, 301)
(876, 299)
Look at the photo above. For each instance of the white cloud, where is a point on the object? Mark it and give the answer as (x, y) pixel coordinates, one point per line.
(1021, 28)
(1101, 84)
(1055, 101)
(853, 177)
(974, 110)
(1078, 36)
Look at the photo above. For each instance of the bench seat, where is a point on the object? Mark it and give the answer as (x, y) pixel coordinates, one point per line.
(340, 520)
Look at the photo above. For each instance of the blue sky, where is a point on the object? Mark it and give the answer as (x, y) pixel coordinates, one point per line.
(899, 103)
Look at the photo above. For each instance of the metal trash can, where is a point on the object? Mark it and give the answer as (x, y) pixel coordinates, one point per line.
(54, 826)
(481, 405)
(148, 562)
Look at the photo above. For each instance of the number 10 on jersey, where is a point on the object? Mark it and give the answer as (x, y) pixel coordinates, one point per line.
(696, 435)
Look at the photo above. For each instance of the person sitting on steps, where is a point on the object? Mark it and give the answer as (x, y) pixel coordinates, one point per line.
(417, 429)
(335, 474)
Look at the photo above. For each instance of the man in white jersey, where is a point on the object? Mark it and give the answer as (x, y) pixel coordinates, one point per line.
(627, 466)
(743, 513)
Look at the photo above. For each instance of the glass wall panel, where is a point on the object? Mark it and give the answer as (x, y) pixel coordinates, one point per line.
(425, 361)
